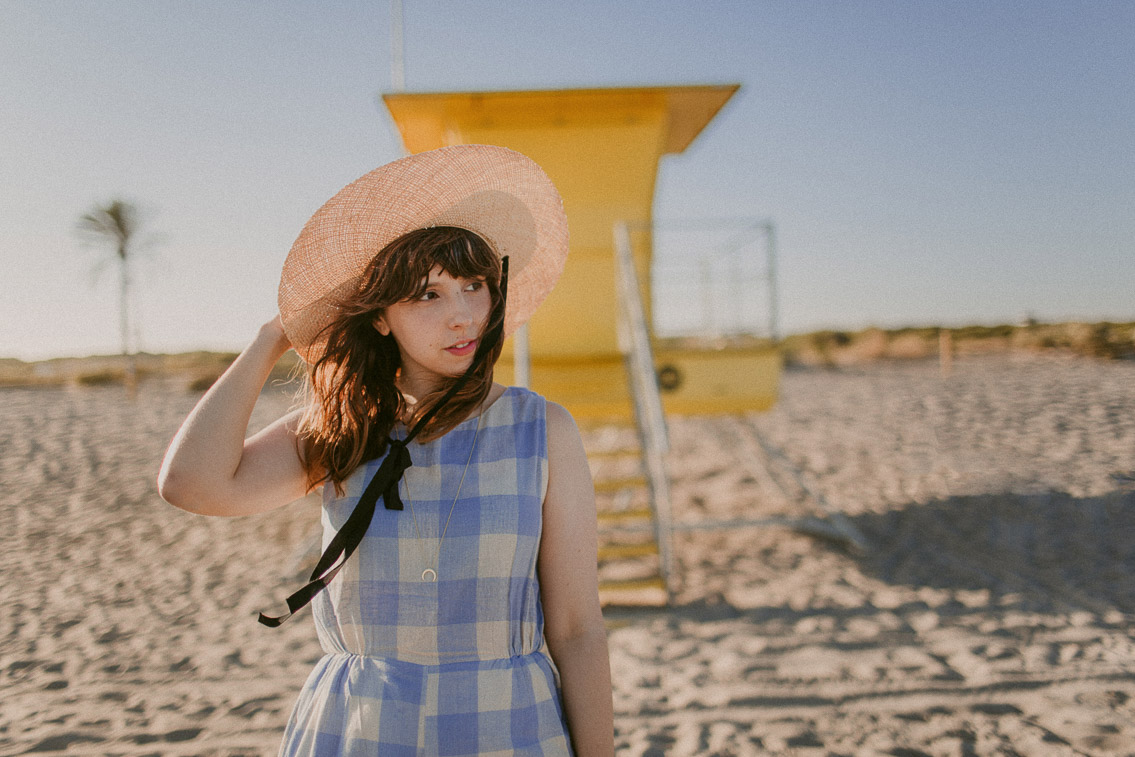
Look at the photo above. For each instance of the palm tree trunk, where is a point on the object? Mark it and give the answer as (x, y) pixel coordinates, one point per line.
(124, 323)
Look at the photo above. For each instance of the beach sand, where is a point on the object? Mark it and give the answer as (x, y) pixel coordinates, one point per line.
(991, 611)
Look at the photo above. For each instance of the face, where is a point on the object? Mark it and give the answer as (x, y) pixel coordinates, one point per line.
(438, 331)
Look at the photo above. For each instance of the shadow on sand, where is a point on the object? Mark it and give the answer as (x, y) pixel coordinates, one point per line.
(1053, 551)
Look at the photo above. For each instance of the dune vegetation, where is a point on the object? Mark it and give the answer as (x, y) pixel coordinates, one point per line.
(1105, 340)
(198, 370)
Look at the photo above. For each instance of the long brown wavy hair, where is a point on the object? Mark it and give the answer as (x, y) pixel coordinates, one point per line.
(352, 399)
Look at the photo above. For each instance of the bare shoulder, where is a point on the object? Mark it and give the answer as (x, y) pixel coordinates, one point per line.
(563, 433)
(569, 475)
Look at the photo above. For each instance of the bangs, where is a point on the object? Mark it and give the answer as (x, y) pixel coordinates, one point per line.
(458, 252)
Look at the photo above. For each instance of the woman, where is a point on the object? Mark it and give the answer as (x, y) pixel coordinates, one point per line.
(468, 621)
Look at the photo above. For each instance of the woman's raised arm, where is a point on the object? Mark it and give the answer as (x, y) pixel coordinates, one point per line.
(210, 468)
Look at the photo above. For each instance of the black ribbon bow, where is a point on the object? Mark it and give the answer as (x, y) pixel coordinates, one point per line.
(385, 480)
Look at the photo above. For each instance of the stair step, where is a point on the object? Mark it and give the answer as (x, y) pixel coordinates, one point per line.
(649, 591)
(613, 454)
(624, 551)
(605, 486)
(614, 517)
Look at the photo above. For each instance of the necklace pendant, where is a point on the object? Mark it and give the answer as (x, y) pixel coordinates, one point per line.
(429, 575)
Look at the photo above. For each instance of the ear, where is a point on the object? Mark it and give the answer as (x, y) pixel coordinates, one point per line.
(381, 325)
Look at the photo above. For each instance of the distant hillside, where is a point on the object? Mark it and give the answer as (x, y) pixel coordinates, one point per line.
(1115, 341)
(197, 369)
(1098, 340)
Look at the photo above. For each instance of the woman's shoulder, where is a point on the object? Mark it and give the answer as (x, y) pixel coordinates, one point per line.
(561, 424)
(530, 405)
(527, 403)
(519, 393)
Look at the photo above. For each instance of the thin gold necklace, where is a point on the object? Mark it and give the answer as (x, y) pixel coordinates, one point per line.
(429, 575)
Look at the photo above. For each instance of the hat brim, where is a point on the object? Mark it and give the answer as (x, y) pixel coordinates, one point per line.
(497, 193)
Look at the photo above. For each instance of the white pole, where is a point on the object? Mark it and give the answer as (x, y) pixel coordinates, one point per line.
(521, 358)
(397, 55)
(773, 306)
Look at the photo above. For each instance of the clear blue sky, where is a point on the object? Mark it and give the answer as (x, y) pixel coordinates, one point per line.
(925, 162)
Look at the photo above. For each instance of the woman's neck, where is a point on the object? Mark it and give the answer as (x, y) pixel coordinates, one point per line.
(411, 402)
(414, 389)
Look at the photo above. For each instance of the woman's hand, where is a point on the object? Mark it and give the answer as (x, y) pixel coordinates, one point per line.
(273, 332)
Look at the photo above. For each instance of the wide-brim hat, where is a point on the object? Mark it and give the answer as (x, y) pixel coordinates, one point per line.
(500, 195)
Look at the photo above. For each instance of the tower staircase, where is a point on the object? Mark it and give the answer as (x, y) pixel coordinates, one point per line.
(632, 485)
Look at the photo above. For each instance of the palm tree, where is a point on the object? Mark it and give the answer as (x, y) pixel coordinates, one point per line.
(117, 223)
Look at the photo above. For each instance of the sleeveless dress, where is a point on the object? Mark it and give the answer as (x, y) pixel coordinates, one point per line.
(452, 667)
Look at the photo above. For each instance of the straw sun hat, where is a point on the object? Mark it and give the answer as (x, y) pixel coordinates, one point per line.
(498, 194)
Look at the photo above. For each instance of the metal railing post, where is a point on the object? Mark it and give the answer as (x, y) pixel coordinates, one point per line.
(521, 358)
(634, 342)
(773, 306)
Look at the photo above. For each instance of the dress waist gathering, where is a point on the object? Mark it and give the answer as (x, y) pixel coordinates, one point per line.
(449, 666)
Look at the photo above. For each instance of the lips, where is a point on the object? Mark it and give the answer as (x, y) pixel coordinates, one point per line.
(462, 348)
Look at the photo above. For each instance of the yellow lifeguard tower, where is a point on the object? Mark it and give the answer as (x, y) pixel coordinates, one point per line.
(591, 344)
(601, 147)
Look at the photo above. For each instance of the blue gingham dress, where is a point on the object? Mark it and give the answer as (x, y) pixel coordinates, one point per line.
(456, 667)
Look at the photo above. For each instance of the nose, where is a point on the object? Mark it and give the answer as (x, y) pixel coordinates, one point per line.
(462, 313)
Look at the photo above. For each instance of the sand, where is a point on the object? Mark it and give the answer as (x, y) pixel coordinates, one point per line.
(990, 613)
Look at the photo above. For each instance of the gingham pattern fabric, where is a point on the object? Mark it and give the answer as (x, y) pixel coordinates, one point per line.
(456, 667)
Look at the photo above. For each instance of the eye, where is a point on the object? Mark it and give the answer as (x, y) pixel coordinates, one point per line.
(475, 286)
(427, 295)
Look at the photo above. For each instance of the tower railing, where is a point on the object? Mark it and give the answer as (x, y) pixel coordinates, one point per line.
(650, 420)
(754, 275)
(714, 278)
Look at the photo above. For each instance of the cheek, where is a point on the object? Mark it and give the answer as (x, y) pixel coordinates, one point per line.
(486, 306)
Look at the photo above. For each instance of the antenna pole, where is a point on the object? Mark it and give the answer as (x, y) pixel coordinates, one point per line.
(774, 306)
(397, 56)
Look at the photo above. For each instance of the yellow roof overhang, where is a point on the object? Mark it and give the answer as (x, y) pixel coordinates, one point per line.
(430, 120)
